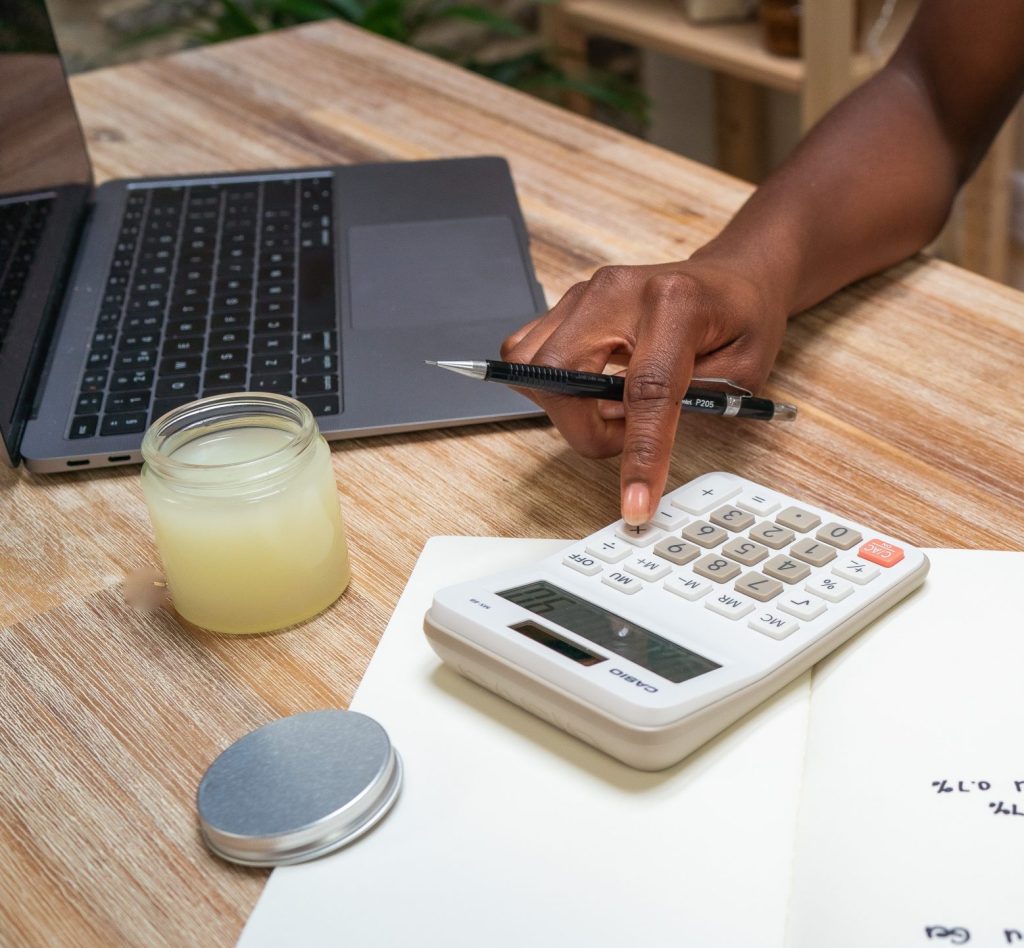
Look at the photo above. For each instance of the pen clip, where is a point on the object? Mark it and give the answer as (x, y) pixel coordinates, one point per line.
(744, 392)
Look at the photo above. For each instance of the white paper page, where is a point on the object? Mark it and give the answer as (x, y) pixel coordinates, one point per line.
(509, 833)
(916, 742)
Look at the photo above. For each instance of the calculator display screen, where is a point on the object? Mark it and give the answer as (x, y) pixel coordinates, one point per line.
(619, 636)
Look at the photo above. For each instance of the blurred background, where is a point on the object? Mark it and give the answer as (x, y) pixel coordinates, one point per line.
(730, 83)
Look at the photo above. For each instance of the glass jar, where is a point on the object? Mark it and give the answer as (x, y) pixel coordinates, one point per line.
(243, 503)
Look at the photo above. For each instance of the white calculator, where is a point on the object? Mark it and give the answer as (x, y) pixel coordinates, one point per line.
(648, 641)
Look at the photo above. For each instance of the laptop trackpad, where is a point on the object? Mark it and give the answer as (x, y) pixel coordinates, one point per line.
(423, 273)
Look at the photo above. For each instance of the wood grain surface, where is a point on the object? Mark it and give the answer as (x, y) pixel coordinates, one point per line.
(911, 418)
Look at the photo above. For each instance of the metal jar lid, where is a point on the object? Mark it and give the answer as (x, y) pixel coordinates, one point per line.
(298, 788)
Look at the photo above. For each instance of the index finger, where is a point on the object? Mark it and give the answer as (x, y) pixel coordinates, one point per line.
(656, 380)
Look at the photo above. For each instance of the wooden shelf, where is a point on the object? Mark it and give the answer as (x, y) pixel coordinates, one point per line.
(734, 48)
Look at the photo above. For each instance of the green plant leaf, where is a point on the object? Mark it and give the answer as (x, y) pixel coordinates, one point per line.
(388, 18)
(473, 14)
(351, 10)
(234, 21)
(303, 11)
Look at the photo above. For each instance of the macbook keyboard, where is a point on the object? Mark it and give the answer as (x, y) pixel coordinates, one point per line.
(214, 288)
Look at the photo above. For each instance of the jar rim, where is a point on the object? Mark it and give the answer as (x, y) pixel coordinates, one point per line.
(205, 416)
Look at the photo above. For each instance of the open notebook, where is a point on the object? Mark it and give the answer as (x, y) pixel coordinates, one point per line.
(877, 801)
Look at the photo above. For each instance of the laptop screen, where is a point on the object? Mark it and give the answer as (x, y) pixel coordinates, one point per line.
(45, 179)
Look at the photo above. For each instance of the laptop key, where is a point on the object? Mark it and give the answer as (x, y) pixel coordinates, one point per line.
(109, 318)
(94, 382)
(232, 302)
(316, 384)
(88, 404)
(227, 358)
(180, 365)
(83, 426)
(264, 345)
(99, 359)
(129, 423)
(187, 345)
(181, 328)
(191, 293)
(136, 359)
(139, 340)
(178, 385)
(321, 405)
(316, 364)
(227, 338)
(310, 342)
(126, 401)
(280, 383)
(229, 320)
(275, 307)
(273, 324)
(269, 364)
(142, 323)
(131, 381)
(224, 378)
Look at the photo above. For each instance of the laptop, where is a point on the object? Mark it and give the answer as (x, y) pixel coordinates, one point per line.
(332, 285)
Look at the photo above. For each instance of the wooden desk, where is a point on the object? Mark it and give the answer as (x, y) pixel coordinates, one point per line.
(909, 387)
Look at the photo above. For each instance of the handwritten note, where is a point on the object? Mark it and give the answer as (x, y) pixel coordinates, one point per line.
(910, 829)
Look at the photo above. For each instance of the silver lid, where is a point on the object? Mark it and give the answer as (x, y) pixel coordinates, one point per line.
(298, 788)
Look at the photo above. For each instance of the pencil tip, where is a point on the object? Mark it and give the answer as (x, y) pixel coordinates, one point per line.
(430, 362)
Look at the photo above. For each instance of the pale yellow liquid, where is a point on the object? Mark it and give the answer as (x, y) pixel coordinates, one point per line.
(242, 564)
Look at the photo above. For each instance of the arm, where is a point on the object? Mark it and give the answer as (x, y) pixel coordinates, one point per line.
(870, 185)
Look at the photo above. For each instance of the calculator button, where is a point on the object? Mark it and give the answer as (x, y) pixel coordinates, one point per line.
(838, 535)
(743, 551)
(584, 563)
(758, 586)
(622, 582)
(732, 518)
(771, 534)
(786, 569)
(829, 587)
(643, 535)
(774, 624)
(709, 493)
(730, 604)
(760, 504)
(703, 534)
(667, 517)
(796, 518)
(676, 551)
(855, 570)
(689, 587)
(813, 552)
(880, 552)
(717, 568)
(609, 549)
(802, 605)
(647, 567)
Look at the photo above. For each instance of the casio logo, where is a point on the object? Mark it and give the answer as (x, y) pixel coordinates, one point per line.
(633, 680)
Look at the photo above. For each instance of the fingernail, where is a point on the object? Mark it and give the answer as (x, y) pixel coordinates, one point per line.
(636, 503)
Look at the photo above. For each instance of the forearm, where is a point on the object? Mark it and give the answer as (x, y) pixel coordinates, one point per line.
(869, 186)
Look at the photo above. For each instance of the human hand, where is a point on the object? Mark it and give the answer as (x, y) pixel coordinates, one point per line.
(670, 321)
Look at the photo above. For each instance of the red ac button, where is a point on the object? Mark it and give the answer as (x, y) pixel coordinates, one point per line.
(880, 552)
